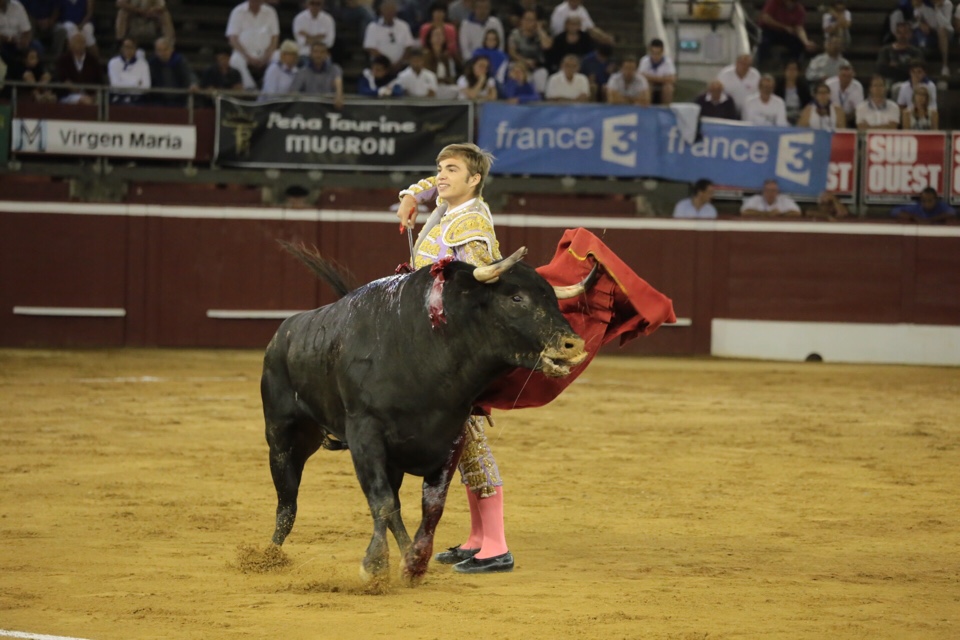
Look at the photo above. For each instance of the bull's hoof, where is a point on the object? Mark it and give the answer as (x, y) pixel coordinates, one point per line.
(496, 564)
(453, 555)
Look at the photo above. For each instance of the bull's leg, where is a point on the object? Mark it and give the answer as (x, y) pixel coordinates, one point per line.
(289, 450)
(370, 463)
(394, 519)
(435, 488)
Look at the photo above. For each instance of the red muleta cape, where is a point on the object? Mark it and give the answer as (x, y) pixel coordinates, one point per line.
(620, 304)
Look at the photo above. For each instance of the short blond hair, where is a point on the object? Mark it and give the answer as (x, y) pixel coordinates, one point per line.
(476, 159)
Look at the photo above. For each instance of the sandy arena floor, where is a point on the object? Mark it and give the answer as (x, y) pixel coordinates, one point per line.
(657, 498)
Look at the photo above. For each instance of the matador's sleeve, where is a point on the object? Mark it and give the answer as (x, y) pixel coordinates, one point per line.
(472, 238)
(423, 191)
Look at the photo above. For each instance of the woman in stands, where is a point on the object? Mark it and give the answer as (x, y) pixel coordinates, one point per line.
(443, 63)
(821, 113)
(919, 116)
(794, 90)
(491, 51)
(477, 83)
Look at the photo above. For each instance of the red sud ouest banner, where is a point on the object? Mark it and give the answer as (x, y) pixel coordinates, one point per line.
(898, 165)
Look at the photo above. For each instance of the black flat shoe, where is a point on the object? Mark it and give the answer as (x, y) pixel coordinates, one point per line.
(496, 564)
(453, 555)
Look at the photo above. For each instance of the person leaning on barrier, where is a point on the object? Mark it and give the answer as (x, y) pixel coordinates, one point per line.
(715, 103)
(829, 207)
(279, 75)
(378, 81)
(417, 81)
(698, 205)
(170, 70)
(568, 84)
(628, 86)
(128, 70)
(78, 66)
(220, 75)
(320, 76)
(930, 209)
(770, 202)
(765, 109)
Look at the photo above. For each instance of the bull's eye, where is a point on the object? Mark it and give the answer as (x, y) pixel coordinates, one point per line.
(517, 298)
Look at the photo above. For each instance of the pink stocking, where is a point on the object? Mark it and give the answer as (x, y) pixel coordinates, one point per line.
(491, 514)
(476, 524)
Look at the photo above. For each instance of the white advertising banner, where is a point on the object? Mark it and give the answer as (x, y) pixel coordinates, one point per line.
(118, 139)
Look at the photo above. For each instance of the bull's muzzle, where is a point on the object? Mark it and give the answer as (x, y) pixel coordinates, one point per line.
(567, 352)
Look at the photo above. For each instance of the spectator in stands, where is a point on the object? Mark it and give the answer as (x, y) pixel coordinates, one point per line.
(919, 116)
(311, 25)
(794, 90)
(416, 80)
(837, 20)
(279, 75)
(781, 24)
(628, 86)
(770, 202)
(828, 207)
(438, 13)
(80, 66)
(520, 7)
(877, 112)
(14, 34)
(893, 61)
(378, 80)
(846, 91)
(357, 13)
(930, 27)
(929, 210)
(528, 45)
(477, 82)
(43, 16)
(35, 73)
(444, 65)
(740, 80)
(574, 8)
(76, 16)
(493, 52)
(458, 11)
(659, 71)
(517, 88)
(3, 72)
(765, 109)
(715, 103)
(321, 76)
(220, 75)
(128, 70)
(473, 30)
(598, 66)
(144, 20)
(389, 37)
(827, 64)
(170, 70)
(573, 41)
(698, 205)
(821, 113)
(568, 84)
(918, 78)
(254, 32)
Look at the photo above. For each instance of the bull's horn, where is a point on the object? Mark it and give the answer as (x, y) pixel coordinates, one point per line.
(574, 290)
(492, 272)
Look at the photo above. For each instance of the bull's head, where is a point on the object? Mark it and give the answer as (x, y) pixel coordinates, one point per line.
(526, 311)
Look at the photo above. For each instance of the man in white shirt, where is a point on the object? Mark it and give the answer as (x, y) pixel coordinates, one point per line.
(877, 112)
(389, 37)
(279, 75)
(659, 72)
(846, 91)
(575, 8)
(568, 85)
(698, 205)
(765, 109)
(254, 32)
(416, 81)
(918, 76)
(827, 64)
(130, 71)
(770, 202)
(627, 86)
(740, 80)
(313, 24)
(475, 27)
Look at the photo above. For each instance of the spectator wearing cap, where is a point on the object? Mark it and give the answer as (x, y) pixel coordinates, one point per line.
(877, 112)
(929, 210)
(598, 66)
(279, 75)
(781, 24)
(918, 77)
(827, 64)
(568, 84)
(846, 91)
(574, 8)
(130, 71)
(715, 103)
(740, 80)
(378, 81)
(313, 24)
(438, 20)
(320, 76)
(893, 61)
(628, 86)
(659, 71)
(528, 45)
(473, 30)
(794, 90)
(253, 30)
(389, 37)
(765, 109)
(699, 204)
(836, 20)
(417, 81)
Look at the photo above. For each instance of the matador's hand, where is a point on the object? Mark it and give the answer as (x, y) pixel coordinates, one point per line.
(408, 211)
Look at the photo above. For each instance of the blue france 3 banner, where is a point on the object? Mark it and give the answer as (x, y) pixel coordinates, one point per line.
(602, 140)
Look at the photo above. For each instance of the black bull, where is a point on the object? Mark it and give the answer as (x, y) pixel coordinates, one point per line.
(372, 373)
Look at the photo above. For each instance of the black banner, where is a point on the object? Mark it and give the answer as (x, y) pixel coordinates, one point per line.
(362, 135)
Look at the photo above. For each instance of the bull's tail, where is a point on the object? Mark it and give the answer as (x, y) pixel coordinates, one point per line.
(328, 271)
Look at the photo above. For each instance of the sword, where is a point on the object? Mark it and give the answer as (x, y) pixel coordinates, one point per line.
(409, 242)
